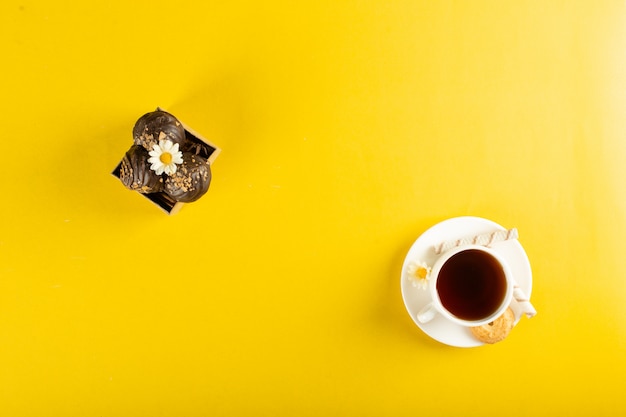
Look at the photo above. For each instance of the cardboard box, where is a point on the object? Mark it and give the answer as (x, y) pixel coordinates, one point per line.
(206, 149)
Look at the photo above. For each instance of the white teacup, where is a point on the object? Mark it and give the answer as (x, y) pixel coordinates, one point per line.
(470, 285)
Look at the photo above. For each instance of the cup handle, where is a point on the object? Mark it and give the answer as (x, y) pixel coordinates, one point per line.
(427, 313)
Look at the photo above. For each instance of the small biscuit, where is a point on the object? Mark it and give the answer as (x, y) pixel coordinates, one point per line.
(496, 330)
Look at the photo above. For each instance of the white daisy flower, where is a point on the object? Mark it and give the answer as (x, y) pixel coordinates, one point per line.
(419, 274)
(164, 157)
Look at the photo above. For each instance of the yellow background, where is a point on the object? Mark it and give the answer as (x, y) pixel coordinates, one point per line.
(347, 129)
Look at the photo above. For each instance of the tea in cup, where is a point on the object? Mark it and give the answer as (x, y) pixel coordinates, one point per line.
(470, 285)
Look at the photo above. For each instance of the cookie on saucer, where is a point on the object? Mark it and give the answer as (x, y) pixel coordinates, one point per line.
(496, 330)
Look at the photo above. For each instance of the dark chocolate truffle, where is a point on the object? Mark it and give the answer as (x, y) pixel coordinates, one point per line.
(135, 172)
(155, 126)
(191, 179)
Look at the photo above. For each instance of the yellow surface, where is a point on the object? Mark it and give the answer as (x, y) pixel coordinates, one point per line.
(347, 129)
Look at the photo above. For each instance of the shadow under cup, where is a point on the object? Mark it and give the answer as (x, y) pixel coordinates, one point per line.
(472, 285)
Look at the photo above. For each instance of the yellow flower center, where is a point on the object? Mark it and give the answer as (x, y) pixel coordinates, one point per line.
(166, 158)
(421, 272)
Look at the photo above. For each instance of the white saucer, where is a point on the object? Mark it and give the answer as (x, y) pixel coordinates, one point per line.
(415, 299)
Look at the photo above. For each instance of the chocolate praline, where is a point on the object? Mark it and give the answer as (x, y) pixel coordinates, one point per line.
(135, 172)
(191, 179)
(155, 126)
